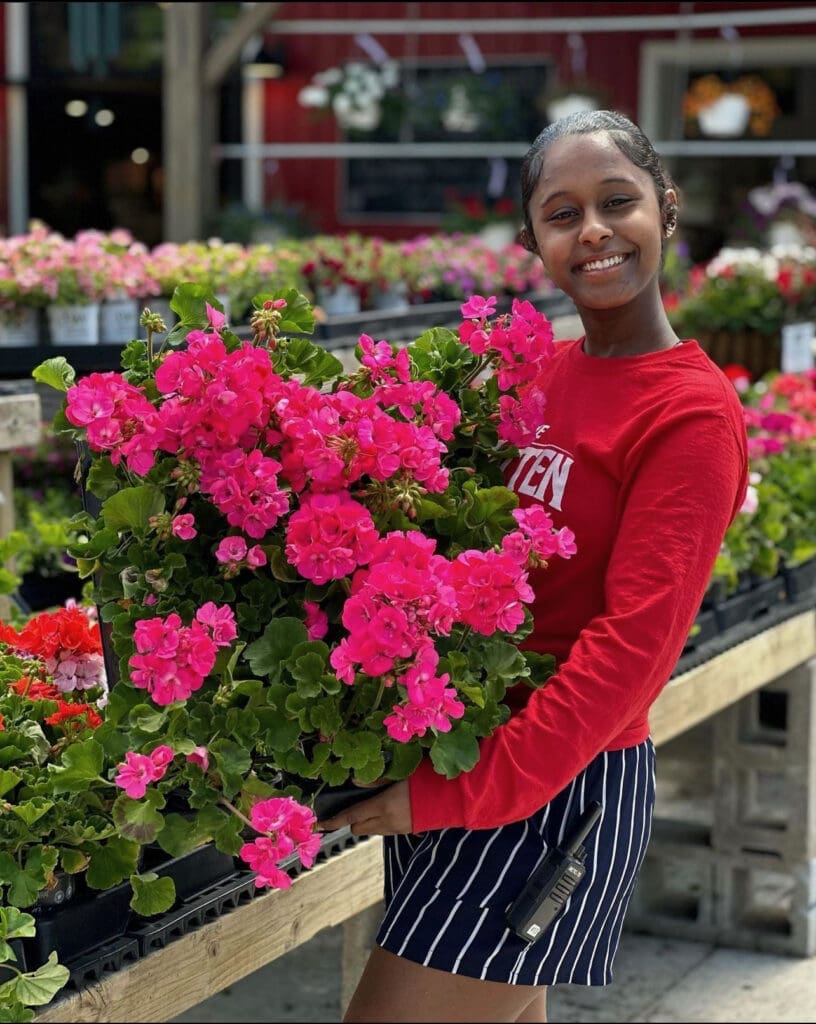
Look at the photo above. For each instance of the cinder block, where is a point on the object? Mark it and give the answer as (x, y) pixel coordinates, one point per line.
(765, 770)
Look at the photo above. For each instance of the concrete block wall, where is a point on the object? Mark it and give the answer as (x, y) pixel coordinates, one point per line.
(744, 874)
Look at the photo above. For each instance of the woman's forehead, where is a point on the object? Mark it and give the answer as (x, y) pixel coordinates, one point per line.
(595, 156)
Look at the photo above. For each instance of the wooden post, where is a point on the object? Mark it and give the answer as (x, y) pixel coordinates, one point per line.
(20, 419)
(192, 75)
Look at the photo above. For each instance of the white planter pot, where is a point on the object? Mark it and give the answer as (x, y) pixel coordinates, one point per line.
(223, 298)
(74, 325)
(119, 321)
(341, 300)
(19, 328)
(498, 236)
(393, 298)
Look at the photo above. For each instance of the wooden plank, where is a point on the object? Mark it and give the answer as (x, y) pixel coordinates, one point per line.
(206, 961)
(703, 691)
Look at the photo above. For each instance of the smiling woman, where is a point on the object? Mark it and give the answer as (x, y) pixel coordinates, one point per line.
(644, 450)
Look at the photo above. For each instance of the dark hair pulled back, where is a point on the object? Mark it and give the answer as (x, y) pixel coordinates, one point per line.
(629, 139)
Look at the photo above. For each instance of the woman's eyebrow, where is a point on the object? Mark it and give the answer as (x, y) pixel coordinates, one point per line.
(606, 181)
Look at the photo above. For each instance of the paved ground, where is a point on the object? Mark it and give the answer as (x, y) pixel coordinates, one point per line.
(659, 980)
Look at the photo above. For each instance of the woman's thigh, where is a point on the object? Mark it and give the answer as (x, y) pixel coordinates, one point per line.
(395, 989)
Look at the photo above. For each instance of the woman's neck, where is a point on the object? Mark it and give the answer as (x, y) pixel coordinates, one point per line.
(627, 331)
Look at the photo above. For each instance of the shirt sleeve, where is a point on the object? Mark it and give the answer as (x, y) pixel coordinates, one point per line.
(680, 491)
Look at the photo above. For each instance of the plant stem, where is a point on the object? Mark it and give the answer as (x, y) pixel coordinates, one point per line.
(231, 807)
(474, 373)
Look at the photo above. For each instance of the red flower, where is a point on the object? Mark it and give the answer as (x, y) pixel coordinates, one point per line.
(72, 713)
(34, 689)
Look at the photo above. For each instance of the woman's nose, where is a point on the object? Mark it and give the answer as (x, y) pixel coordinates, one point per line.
(594, 230)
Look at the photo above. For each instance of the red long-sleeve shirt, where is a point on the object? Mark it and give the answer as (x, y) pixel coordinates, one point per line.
(644, 458)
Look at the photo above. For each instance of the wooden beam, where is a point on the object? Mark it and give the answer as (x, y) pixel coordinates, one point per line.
(701, 692)
(189, 123)
(223, 54)
(207, 960)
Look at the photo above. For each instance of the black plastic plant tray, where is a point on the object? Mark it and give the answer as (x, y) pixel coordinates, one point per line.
(751, 605)
(109, 957)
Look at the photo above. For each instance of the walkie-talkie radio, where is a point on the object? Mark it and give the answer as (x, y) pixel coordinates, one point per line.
(553, 881)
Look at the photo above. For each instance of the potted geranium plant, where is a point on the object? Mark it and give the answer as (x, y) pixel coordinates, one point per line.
(307, 576)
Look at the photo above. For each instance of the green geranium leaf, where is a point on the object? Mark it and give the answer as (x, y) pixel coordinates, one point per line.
(223, 828)
(39, 987)
(147, 719)
(180, 835)
(8, 780)
(356, 750)
(103, 477)
(131, 508)
(16, 924)
(72, 860)
(55, 372)
(233, 763)
(266, 655)
(112, 862)
(404, 759)
(454, 752)
(278, 733)
(541, 667)
(25, 883)
(32, 810)
(152, 894)
(139, 820)
(81, 764)
(13, 1011)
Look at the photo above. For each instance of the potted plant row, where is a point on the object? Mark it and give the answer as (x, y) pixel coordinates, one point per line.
(737, 303)
(92, 288)
(768, 555)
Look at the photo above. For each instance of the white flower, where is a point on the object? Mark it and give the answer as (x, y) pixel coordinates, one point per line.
(313, 96)
(331, 76)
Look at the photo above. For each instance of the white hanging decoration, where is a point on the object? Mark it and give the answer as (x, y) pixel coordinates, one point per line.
(459, 115)
(726, 117)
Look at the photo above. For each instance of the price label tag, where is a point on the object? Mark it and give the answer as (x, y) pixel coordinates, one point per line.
(798, 347)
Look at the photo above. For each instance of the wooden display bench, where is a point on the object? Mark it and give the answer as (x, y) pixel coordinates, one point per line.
(204, 962)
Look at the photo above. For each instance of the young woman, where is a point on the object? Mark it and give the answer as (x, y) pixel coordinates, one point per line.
(643, 455)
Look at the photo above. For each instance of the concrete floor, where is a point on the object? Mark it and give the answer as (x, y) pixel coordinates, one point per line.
(658, 980)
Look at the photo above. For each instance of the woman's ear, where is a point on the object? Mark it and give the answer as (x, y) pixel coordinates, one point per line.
(669, 213)
(527, 241)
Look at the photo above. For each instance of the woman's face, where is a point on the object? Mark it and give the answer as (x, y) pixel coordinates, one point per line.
(597, 222)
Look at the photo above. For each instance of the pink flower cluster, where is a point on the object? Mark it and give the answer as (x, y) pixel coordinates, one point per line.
(137, 771)
(785, 414)
(403, 597)
(287, 828)
(174, 660)
(518, 345)
(329, 536)
(113, 413)
(431, 702)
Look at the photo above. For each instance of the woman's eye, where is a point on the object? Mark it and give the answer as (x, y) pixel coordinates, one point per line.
(619, 200)
(560, 215)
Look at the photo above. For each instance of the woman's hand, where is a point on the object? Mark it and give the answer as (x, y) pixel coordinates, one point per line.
(386, 814)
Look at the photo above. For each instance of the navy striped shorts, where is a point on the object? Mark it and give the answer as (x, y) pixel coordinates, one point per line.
(447, 891)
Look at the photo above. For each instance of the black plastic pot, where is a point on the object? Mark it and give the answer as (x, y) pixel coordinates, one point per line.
(800, 580)
(77, 926)
(707, 628)
(41, 592)
(750, 605)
